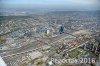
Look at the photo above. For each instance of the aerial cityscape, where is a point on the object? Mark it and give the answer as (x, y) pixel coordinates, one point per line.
(47, 36)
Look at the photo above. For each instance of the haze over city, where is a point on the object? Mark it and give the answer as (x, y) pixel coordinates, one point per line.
(73, 5)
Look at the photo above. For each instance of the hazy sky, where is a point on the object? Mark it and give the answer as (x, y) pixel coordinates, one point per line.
(64, 4)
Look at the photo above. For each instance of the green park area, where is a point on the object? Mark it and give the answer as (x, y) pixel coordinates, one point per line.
(2, 42)
(74, 53)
